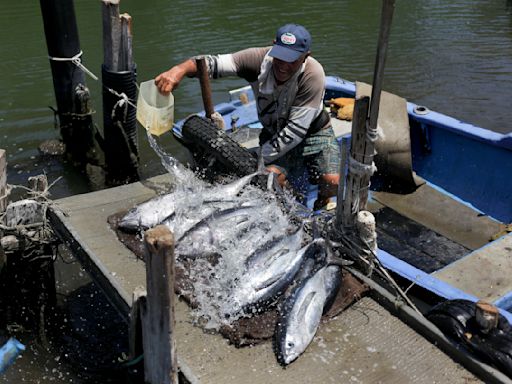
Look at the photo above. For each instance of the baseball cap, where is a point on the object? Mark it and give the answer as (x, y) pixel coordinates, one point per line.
(292, 41)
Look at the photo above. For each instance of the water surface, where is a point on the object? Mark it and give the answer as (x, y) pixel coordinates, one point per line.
(454, 57)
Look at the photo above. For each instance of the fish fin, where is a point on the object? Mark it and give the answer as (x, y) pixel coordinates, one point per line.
(269, 282)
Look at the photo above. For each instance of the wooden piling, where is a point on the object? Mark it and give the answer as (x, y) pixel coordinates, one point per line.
(3, 180)
(125, 62)
(388, 7)
(364, 131)
(157, 311)
(74, 113)
(206, 92)
(355, 189)
(119, 96)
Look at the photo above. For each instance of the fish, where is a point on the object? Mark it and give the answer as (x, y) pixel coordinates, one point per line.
(302, 310)
(269, 270)
(161, 208)
(207, 235)
(183, 220)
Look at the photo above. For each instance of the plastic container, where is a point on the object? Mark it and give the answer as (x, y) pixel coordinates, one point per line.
(9, 352)
(155, 111)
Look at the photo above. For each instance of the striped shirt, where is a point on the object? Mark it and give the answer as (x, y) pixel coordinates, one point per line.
(286, 111)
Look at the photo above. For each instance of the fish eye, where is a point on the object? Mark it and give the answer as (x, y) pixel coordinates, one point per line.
(290, 344)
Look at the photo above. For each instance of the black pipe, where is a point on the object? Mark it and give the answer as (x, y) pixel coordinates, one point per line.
(119, 124)
(75, 120)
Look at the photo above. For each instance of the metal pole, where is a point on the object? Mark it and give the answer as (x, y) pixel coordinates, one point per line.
(388, 7)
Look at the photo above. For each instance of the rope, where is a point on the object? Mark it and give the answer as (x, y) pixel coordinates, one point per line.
(123, 98)
(77, 61)
(123, 101)
(360, 169)
(354, 249)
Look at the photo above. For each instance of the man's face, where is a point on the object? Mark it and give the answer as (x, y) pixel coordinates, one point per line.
(283, 70)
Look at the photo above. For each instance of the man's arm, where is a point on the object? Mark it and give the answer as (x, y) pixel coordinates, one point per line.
(169, 80)
(245, 63)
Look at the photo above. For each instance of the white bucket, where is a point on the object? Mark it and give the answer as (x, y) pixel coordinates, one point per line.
(155, 111)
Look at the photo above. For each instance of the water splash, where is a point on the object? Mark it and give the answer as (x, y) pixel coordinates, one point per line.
(180, 174)
(216, 281)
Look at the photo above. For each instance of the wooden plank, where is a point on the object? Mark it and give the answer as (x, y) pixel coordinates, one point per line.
(3, 180)
(349, 345)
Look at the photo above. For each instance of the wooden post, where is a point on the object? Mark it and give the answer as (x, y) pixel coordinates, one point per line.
(345, 212)
(75, 118)
(125, 62)
(38, 185)
(206, 92)
(119, 96)
(160, 361)
(364, 128)
(3, 180)
(111, 32)
(388, 7)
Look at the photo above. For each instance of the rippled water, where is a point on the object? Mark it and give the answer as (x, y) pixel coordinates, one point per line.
(454, 57)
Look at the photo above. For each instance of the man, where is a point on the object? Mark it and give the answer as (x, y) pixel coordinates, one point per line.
(288, 85)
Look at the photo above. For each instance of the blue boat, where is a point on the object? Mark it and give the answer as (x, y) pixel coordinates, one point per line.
(449, 237)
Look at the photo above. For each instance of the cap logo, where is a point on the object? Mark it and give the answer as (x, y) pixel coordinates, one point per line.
(288, 38)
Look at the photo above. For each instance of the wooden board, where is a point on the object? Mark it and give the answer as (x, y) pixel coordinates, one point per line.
(364, 344)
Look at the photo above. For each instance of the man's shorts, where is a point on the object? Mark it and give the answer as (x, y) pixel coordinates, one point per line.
(319, 153)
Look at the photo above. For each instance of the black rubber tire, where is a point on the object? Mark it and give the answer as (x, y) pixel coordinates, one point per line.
(201, 134)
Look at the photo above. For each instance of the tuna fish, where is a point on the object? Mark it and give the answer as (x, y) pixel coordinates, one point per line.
(302, 311)
(207, 236)
(270, 269)
(160, 208)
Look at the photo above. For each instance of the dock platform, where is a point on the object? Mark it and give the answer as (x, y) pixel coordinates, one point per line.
(365, 343)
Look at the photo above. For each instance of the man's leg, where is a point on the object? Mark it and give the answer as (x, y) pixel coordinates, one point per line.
(324, 166)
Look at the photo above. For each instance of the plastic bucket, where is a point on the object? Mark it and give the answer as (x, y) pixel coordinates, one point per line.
(155, 111)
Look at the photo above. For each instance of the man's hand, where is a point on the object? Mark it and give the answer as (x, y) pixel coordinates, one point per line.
(169, 80)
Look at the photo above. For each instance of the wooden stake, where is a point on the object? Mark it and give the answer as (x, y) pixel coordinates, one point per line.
(111, 33)
(388, 7)
(135, 327)
(119, 81)
(357, 152)
(206, 92)
(160, 361)
(125, 61)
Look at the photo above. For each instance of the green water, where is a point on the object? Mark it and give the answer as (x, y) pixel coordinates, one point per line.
(454, 57)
